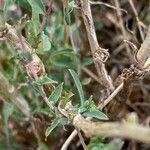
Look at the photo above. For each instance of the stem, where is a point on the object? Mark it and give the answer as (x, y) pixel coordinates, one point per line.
(99, 53)
(113, 129)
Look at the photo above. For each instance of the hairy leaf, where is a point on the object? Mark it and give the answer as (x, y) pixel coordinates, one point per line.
(44, 80)
(78, 85)
(54, 124)
(37, 9)
(56, 94)
(96, 114)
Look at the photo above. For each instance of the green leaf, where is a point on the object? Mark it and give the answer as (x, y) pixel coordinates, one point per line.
(44, 80)
(87, 61)
(54, 124)
(37, 89)
(64, 61)
(46, 44)
(115, 144)
(63, 121)
(37, 6)
(66, 98)
(7, 3)
(66, 51)
(56, 94)
(72, 4)
(96, 144)
(96, 114)
(37, 9)
(32, 37)
(7, 111)
(78, 85)
(23, 4)
(88, 105)
(59, 33)
(68, 11)
(64, 58)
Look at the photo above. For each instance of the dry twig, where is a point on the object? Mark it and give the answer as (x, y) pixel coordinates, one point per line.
(111, 96)
(143, 54)
(81, 139)
(107, 5)
(100, 55)
(137, 19)
(123, 31)
(69, 139)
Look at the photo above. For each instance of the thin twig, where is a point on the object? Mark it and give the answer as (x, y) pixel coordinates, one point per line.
(107, 5)
(81, 139)
(90, 73)
(69, 139)
(124, 34)
(137, 19)
(144, 52)
(116, 91)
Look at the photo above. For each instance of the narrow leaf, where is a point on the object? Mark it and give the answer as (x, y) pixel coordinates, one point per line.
(54, 124)
(64, 58)
(96, 114)
(87, 61)
(7, 111)
(45, 80)
(88, 106)
(37, 6)
(66, 98)
(37, 9)
(37, 89)
(7, 3)
(46, 44)
(68, 11)
(56, 94)
(78, 85)
(66, 51)
(63, 121)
